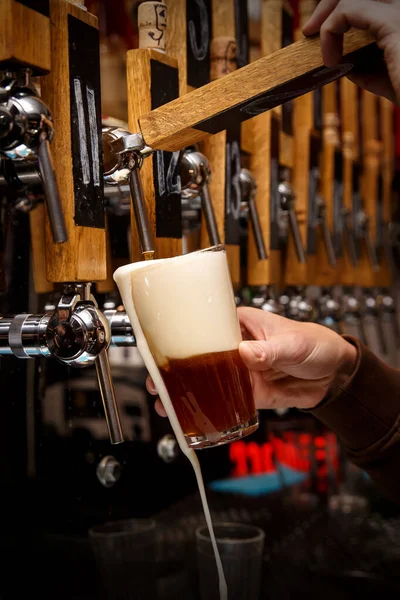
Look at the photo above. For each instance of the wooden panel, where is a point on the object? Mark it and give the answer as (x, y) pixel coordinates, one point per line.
(24, 37)
(211, 147)
(325, 274)
(384, 278)
(271, 31)
(296, 273)
(176, 40)
(349, 119)
(259, 144)
(215, 147)
(372, 156)
(223, 18)
(263, 272)
(282, 75)
(107, 285)
(83, 256)
(38, 245)
(139, 102)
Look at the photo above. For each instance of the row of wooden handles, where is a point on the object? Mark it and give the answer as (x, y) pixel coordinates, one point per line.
(172, 109)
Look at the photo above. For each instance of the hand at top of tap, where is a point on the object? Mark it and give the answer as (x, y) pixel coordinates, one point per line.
(291, 364)
(381, 18)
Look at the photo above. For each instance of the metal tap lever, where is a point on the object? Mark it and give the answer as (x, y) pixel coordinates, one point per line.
(195, 174)
(330, 312)
(27, 137)
(348, 231)
(287, 207)
(108, 397)
(249, 190)
(387, 308)
(352, 313)
(51, 191)
(371, 250)
(123, 154)
(141, 215)
(372, 313)
(326, 234)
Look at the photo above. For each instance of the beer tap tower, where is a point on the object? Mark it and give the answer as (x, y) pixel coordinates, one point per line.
(356, 228)
(270, 142)
(371, 203)
(77, 333)
(311, 210)
(384, 279)
(27, 127)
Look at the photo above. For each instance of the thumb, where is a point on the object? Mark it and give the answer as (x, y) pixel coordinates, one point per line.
(276, 352)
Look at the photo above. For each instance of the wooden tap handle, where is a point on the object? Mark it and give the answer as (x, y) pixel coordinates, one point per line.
(306, 9)
(223, 54)
(72, 91)
(25, 41)
(251, 90)
(25, 36)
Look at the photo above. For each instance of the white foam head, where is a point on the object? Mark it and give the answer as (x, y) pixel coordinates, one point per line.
(185, 304)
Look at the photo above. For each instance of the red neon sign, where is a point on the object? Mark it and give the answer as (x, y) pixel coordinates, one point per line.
(315, 455)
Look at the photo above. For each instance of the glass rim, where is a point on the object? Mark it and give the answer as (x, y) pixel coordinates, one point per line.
(259, 534)
(99, 531)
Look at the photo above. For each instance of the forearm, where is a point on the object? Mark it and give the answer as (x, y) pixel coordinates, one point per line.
(363, 409)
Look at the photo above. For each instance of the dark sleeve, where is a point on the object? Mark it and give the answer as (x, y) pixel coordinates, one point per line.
(364, 412)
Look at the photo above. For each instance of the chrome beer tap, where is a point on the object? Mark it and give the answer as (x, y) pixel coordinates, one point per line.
(195, 174)
(298, 306)
(77, 334)
(388, 314)
(372, 323)
(287, 218)
(330, 311)
(266, 299)
(353, 323)
(26, 130)
(123, 154)
(248, 188)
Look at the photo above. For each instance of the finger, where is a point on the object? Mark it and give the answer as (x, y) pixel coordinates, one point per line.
(277, 352)
(256, 323)
(151, 388)
(379, 84)
(323, 10)
(266, 394)
(380, 19)
(160, 410)
(287, 394)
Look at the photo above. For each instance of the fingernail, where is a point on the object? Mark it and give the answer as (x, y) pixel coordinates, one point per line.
(255, 348)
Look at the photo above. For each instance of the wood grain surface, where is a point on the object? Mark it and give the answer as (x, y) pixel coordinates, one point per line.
(349, 119)
(214, 147)
(296, 273)
(38, 246)
(182, 122)
(139, 102)
(258, 144)
(324, 273)
(24, 37)
(83, 256)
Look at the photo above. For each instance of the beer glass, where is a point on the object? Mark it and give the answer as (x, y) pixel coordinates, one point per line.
(183, 313)
(241, 548)
(125, 553)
